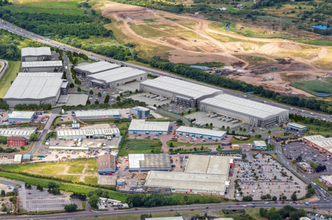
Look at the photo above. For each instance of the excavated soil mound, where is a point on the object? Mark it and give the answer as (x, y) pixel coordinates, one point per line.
(278, 47)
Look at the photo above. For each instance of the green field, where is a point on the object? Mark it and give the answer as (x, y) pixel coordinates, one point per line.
(14, 68)
(140, 146)
(44, 10)
(314, 86)
(92, 180)
(179, 144)
(77, 169)
(248, 141)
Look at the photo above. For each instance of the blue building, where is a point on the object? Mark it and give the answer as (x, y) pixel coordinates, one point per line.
(97, 114)
(260, 145)
(296, 127)
(140, 112)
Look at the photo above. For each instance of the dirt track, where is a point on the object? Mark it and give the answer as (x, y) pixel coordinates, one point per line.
(206, 48)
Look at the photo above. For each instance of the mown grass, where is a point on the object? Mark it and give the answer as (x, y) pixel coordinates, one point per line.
(179, 144)
(140, 146)
(77, 169)
(255, 214)
(248, 141)
(14, 68)
(91, 180)
(43, 10)
(313, 86)
(60, 4)
(71, 178)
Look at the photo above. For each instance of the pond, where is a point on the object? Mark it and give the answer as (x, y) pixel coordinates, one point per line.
(323, 27)
(322, 93)
(201, 67)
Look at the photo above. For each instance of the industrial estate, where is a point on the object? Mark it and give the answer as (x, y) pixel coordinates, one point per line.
(86, 136)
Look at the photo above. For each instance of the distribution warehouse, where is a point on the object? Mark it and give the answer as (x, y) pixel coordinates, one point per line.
(36, 88)
(201, 133)
(250, 112)
(91, 133)
(13, 132)
(148, 162)
(181, 92)
(116, 77)
(17, 116)
(92, 68)
(35, 54)
(42, 66)
(319, 142)
(97, 114)
(140, 126)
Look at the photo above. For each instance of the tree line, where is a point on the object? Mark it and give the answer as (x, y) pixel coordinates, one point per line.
(46, 24)
(287, 211)
(202, 76)
(35, 107)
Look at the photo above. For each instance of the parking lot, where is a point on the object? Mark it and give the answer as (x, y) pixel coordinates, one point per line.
(177, 109)
(263, 175)
(309, 154)
(149, 101)
(202, 116)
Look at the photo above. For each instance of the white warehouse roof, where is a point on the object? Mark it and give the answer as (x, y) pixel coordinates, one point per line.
(206, 164)
(116, 74)
(96, 67)
(35, 86)
(186, 181)
(96, 113)
(296, 125)
(21, 115)
(142, 125)
(8, 132)
(42, 64)
(202, 131)
(244, 106)
(259, 143)
(320, 141)
(87, 131)
(18, 158)
(181, 87)
(36, 51)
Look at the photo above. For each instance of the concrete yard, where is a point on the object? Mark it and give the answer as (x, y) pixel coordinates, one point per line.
(270, 179)
(202, 116)
(148, 101)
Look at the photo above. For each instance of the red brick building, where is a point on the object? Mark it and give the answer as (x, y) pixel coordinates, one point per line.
(16, 141)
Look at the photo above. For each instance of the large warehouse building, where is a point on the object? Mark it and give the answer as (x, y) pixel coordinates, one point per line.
(20, 116)
(181, 92)
(201, 133)
(85, 69)
(36, 88)
(42, 66)
(17, 132)
(140, 126)
(250, 112)
(148, 162)
(319, 142)
(116, 77)
(97, 114)
(29, 54)
(206, 175)
(89, 133)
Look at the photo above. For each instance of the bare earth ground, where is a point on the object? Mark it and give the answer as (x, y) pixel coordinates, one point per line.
(193, 40)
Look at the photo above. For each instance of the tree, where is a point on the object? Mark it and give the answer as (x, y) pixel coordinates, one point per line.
(118, 98)
(88, 102)
(294, 197)
(179, 122)
(70, 207)
(71, 85)
(79, 89)
(144, 216)
(269, 132)
(263, 212)
(171, 144)
(33, 137)
(91, 92)
(3, 193)
(274, 198)
(40, 188)
(244, 156)
(107, 99)
(93, 200)
(99, 94)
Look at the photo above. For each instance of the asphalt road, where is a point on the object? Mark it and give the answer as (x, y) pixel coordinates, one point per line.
(93, 56)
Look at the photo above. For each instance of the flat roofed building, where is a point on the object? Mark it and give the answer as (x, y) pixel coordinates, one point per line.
(260, 145)
(18, 116)
(18, 158)
(201, 132)
(35, 54)
(69, 148)
(97, 114)
(89, 133)
(327, 180)
(34, 88)
(116, 77)
(250, 112)
(208, 164)
(106, 164)
(190, 183)
(140, 126)
(140, 112)
(319, 142)
(42, 66)
(92, 68)
(17, 132)
(148, 162)
(181, 92)
(26, 157)
(291, 126)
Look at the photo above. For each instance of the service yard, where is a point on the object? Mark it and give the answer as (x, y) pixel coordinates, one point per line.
(262, 176)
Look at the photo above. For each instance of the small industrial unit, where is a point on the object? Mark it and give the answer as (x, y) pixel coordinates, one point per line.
(201, 133)
(89, 133)
(20, 116)
(260, 145)
(148, 162)
(42, 66)
(97, 114)
(29, 54)
(140, 112)
(86, 69)
(140, 126)
(36, 88)
(291, 126)
(17, 132)
(106, 164)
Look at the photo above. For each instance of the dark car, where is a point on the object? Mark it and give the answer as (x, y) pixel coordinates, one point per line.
(207, 207)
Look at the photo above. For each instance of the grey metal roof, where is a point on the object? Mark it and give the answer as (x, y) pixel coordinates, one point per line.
(181, 87)
(117, 74)
(34, 86)
(42, 64)
(96, 67)
(244, 106)
(100, 113)
(148, 161)
(35, 51)
(296, 125)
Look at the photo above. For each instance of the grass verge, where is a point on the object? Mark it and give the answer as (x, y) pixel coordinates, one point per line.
(10, 75)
